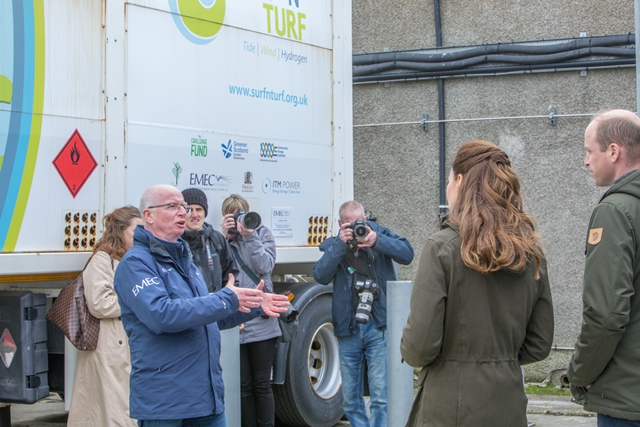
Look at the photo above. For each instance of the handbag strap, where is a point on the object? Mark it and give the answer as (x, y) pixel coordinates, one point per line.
(244, 266)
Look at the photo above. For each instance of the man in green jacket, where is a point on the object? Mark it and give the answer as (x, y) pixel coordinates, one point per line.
(605, 368)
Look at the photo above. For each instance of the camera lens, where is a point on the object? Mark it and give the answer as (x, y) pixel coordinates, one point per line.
(250, 220)
(360, 231)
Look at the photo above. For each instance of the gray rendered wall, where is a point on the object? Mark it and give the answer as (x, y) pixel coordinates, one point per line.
(396, 167)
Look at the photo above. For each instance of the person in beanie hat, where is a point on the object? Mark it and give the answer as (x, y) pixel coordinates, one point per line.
(210, 250)
(195, 196)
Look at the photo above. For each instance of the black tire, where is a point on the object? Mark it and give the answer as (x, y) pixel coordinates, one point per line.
(312, 392)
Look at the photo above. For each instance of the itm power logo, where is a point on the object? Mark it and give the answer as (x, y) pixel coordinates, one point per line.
(198, 20)
(281, 186)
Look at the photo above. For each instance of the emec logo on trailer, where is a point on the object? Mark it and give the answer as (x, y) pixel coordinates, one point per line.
(198, 20)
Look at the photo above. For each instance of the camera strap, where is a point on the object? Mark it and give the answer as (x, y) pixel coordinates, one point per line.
(244, 266)
(359, 263)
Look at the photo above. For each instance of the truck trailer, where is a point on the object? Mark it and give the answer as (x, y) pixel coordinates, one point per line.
(101, 99)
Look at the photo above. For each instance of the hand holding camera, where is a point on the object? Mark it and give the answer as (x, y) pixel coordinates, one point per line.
(241, 222)
(357, 234)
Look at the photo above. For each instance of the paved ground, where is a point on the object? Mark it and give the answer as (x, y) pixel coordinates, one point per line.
(556, 411)
(544, 411)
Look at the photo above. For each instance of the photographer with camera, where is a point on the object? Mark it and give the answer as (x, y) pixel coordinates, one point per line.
(254, 252)
(359, 262)
(209, 248)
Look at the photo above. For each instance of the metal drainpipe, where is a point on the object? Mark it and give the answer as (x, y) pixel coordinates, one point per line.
(441, 129)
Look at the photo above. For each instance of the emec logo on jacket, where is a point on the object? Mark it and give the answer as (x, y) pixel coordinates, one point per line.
(198, 20)
(144, 283)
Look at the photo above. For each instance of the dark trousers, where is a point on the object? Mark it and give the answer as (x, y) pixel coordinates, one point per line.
(607, 421)
(256, 360)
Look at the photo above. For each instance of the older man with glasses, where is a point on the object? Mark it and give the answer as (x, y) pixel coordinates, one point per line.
(173, 322)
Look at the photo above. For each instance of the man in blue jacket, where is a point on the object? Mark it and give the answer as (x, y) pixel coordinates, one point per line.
(172, 321)
(359, 261)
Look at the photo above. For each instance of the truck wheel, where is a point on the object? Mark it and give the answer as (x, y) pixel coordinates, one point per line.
(312, 392)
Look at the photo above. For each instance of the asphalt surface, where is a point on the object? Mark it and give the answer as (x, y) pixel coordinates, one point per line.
(544, 411)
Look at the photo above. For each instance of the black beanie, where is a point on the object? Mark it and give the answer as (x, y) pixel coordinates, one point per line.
(195, 196)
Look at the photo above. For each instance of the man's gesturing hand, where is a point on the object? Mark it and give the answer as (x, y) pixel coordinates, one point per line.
(274, 304)
(247, 298)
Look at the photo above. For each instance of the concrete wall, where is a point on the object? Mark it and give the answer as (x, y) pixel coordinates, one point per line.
(396, 166)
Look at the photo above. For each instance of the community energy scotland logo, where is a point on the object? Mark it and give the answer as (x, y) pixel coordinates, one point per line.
(268, 150)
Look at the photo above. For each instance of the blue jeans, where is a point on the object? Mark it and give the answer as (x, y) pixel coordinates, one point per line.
(208, 421)
(607, 421)
(371, 344)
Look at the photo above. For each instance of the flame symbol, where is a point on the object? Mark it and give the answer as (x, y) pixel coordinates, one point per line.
(75, 154)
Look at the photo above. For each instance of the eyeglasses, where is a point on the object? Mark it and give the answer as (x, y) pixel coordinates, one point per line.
(173, 207)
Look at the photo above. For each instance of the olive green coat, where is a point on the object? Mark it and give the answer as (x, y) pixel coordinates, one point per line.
(470, 333)
(608, 349)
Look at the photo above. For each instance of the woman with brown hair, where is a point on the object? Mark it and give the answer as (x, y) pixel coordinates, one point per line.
(101, 387)
(481, 302)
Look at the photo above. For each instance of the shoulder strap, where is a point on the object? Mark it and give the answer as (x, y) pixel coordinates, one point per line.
(358, 263)
(218, 240)
(244, 266)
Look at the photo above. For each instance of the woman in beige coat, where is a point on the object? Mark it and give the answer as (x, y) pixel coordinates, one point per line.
(101, 388)
(481, 302)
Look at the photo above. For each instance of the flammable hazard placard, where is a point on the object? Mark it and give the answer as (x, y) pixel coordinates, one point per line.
(75, 163)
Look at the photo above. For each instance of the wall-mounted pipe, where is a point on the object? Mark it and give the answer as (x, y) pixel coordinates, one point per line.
(441, 117)
(474, 119)
(449, 54)
(486, 59)
(606, 51)
(497, 70)
(557, 348)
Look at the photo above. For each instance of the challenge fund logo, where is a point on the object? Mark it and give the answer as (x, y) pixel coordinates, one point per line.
(198, 20)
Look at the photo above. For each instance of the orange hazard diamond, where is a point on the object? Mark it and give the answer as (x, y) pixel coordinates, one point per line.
(75, 163)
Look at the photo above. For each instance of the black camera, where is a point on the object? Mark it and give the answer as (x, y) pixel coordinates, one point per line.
(360, 231)
(290, 315)
(249, 220)
(368, 291)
